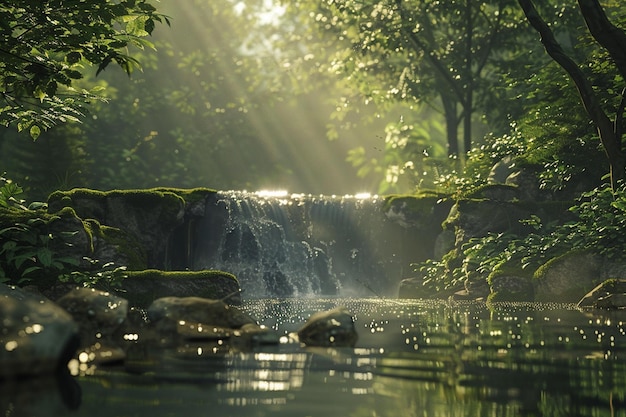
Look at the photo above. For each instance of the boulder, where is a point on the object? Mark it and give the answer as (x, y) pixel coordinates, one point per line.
(36, 336)
(98, 313)
(212, 324)
(168, 312)
(478, 217)
(141, 288)
(510, 286)
(608, 295)
(329, 328)
(568, 277)
(496, 192)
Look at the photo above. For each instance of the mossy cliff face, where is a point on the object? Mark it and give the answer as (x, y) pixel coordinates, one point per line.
(422, 216)
(471, 217)
(138, 224)
(493, 210)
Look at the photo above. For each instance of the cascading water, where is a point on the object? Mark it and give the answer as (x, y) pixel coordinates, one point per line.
(281, 245)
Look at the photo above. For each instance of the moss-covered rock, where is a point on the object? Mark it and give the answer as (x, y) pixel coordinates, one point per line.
(141, 288)
(148, 218)
(510, 284)
(495, 192)
(567, 278)
(422, 210)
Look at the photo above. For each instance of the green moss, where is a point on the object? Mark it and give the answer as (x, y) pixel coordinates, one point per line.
(60, 199)
(141, 288)
(421, 205)
(159, 274)
(546, 267)
(191, 195)
(125, 244)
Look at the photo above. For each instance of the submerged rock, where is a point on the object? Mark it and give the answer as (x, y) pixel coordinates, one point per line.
(214, 324)
(329, 328)
(169, 311)
(36, 336)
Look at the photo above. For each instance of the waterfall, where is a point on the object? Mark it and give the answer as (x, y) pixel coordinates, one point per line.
(281, 245)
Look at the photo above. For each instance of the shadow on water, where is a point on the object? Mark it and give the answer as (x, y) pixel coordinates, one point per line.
(413, 358)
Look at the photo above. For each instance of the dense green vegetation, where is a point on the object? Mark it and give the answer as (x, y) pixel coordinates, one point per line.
(417, 96)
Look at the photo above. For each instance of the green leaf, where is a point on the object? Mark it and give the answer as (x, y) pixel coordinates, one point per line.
(73, 57)
(31, 269)
(35, 131)
(44, 255)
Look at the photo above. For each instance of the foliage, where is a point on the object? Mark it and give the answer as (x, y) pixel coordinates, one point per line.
(207, 110)
(47, 46)
(9, 193)
(28, 251)
(446, 55)
(31, 254)
(413, 156)
(107, 276)
(598, 226)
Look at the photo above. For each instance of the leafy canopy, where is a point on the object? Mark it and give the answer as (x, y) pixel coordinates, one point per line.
(46, 45)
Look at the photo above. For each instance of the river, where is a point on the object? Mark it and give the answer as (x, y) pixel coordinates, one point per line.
(413, 358)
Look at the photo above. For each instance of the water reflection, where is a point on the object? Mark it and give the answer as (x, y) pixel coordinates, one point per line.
(413, 358)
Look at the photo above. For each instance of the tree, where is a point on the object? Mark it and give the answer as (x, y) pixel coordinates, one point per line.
(613, 40)
(211, 107)
(46, 45)
(446, 54)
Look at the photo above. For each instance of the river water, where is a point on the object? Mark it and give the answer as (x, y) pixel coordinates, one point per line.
(413, 358)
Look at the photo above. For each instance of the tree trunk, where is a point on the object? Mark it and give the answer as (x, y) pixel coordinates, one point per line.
(452, 125)
(606, 130)
(469, 82)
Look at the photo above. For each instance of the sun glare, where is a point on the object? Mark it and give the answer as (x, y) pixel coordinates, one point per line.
(272, 193)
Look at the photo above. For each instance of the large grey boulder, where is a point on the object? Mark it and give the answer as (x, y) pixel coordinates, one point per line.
(568, 277)
(510, 286)
(36, 336)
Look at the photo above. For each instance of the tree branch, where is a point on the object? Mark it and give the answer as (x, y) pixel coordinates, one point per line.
(418, 45)
(612, 38)
(588, 97)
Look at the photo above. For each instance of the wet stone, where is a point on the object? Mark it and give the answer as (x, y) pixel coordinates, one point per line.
(329, 328)
(199, 331)
(609, 295)
(98, 313)
(36, 336)
(167, 312)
